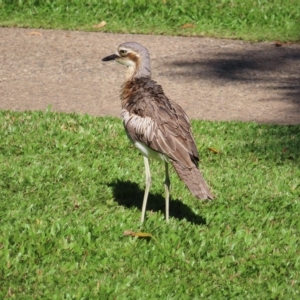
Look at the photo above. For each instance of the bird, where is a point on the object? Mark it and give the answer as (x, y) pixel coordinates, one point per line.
(157, 126)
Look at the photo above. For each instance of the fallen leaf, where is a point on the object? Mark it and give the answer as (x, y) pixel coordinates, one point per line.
(280, 44)
(35, 33)
(213, 150)
(100, 25)
(188, 26)
(128, 232)
(144, 235)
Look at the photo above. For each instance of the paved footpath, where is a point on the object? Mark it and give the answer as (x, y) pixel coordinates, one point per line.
(212, 79)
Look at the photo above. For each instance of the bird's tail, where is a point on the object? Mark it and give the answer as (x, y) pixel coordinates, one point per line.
(194, 180)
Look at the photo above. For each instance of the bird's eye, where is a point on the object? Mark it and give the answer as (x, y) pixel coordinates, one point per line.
(122, 52)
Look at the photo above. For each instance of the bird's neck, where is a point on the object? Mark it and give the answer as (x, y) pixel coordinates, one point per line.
(139, 68)
(131, 87)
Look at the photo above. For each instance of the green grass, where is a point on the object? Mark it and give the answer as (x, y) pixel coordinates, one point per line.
(250, 20)
(71, 184)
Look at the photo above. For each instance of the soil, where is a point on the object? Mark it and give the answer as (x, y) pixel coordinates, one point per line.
(212, 79)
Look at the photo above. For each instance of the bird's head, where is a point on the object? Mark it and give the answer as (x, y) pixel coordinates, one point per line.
(135, 57)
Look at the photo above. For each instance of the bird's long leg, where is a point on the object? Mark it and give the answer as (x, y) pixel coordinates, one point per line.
(148, 184)
(167, 189)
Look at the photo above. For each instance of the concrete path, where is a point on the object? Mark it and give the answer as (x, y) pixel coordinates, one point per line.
(211, 79)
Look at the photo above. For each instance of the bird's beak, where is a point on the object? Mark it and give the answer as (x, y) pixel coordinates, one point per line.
(110, 57)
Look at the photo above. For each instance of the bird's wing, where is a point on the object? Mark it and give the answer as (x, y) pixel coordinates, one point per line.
(164, 127)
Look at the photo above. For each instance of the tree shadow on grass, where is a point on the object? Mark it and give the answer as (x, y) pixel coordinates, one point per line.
(129, 194)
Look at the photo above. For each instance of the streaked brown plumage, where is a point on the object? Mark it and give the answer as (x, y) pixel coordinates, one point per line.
(157, 126)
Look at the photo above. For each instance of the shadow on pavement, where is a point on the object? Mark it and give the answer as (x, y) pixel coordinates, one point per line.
(278, 67)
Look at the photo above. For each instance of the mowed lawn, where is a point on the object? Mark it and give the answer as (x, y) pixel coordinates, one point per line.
(70, 185)
(253, 20)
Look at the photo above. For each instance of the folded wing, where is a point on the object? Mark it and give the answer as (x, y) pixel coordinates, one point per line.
(164, 127)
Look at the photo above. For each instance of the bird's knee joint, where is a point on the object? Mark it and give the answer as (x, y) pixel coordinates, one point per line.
(149, 180)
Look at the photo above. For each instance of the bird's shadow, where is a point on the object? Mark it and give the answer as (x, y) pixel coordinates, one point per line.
(129, 194)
